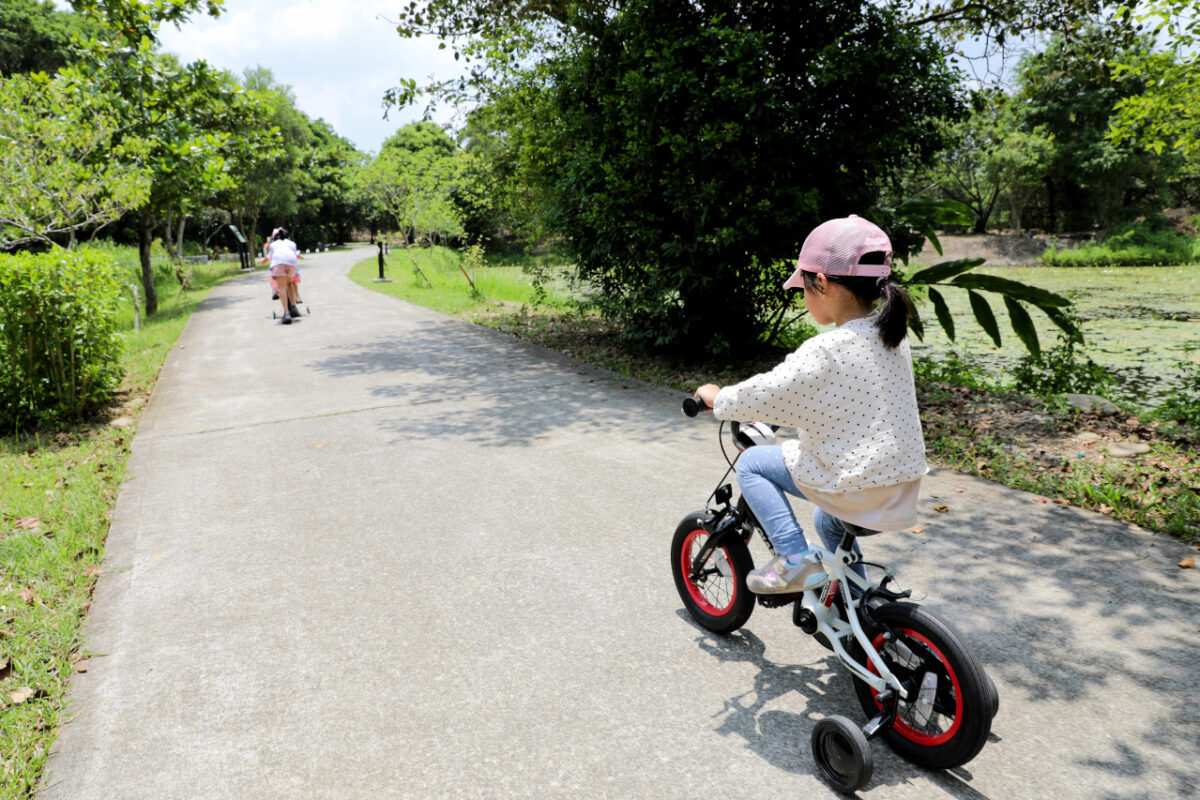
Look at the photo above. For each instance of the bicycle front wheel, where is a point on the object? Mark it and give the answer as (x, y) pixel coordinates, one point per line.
(947, 716)
(717, 598)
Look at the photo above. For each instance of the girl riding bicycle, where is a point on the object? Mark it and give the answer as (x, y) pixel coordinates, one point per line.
(284, 274)
(859, 455)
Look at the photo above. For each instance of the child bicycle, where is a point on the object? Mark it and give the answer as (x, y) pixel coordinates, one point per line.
(923, 690)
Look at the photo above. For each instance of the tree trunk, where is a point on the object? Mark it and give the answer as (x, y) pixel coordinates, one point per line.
(1052, 205)
(145, 239)
(168, 239)
(252, 235)
(179, 238)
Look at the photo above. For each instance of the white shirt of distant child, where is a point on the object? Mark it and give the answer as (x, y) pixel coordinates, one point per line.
(283, 251)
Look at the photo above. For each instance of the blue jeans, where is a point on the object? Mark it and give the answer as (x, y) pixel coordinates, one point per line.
(765, 480)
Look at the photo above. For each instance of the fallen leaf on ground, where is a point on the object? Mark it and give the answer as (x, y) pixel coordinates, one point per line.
(19, 696)
(959, 489)
(28, 597)
(1040, 500)
(1105, 509)
(916, 529)
(1188, 563)
(941, 509)
(1060, 502)
(25, 523)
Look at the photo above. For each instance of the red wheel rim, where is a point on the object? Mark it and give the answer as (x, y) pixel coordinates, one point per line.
(901, 726)
(694, 591)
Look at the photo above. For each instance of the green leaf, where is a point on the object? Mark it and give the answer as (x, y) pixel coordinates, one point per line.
(943, 271)
(984, 315)
(943, 312)
(914, 321)
(938, 212)
(931, 235)
(1023, 326)
(1065, 324)
(1005, 286)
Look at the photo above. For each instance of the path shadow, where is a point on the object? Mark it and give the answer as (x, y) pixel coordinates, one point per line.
(497, 391)
(1066, 605)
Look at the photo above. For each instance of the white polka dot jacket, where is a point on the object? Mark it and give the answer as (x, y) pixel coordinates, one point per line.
(853, 404)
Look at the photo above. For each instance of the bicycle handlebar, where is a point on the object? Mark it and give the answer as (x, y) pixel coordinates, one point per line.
(693, 406)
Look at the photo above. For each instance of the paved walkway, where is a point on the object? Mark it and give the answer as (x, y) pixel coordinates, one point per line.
(382, 553)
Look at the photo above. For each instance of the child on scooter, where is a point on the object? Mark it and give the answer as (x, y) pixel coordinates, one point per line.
(859, 455)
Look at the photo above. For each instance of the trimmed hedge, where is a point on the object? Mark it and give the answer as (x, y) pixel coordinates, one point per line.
(59, 348)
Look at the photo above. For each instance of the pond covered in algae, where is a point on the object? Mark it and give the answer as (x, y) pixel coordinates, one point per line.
(1142, 323)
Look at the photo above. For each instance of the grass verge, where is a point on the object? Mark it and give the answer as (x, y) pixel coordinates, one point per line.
(442, 279)
(57, 494)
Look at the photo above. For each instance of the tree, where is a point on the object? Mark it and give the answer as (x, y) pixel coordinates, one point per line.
(330, 161)
(413, 179)
(1020, 164)
(183, 114)
(263, 162)
(683, 151)
(36, 37)
(1162, 117)
(690, 150)
(1069, 91)
(57, 170)
(966, 172)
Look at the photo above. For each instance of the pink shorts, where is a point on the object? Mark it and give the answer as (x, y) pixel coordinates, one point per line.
(288, 270)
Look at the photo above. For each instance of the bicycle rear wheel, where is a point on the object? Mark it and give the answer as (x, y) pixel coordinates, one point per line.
(947, 717)
(718, 598)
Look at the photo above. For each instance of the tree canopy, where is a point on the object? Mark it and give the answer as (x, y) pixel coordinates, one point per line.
(683, 151)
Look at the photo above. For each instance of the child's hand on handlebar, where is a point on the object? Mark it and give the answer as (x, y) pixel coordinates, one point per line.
(708, 394)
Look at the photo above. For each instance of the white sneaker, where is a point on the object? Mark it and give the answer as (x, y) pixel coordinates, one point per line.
(780, 577)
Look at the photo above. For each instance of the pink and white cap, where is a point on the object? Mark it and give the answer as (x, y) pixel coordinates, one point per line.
(837, 247)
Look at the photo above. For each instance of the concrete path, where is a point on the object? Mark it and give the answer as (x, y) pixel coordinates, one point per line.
(382, 553)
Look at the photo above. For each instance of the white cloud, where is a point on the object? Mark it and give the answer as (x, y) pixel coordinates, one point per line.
(339, 56)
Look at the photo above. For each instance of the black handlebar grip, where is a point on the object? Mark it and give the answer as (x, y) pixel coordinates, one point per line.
(694, 405)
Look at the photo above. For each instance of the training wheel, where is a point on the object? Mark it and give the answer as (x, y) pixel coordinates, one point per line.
(842, 754)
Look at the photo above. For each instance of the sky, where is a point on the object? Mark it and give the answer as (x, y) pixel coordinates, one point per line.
(339, 57)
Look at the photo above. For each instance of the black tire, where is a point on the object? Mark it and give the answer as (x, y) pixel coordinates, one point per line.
(719, 601)
(842, 753)
(993, 696)
(958, 724)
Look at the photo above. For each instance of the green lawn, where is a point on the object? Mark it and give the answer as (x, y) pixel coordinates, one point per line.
(440, 278)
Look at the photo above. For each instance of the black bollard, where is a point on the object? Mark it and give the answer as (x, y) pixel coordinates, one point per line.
(381, 279)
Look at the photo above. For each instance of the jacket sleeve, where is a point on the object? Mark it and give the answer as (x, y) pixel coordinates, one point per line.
(782, 396)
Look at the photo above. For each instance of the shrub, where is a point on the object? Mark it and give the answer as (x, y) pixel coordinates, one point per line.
(1182, 402)
(1131, 245)
(954, 369)
(1060, 370)
(59, 349)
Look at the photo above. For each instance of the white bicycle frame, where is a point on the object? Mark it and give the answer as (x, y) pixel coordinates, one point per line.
(820, 601)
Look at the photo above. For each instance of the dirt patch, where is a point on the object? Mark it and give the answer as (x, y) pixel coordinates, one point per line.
(1000, 249)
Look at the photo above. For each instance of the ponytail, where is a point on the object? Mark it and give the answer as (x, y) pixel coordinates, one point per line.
(894, 313)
